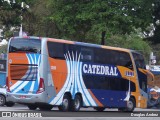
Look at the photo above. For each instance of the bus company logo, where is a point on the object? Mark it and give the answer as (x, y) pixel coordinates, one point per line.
(100, 70)
(6, 114)
(21, 114)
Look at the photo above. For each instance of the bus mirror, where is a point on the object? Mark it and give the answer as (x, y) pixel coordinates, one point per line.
(130, 67)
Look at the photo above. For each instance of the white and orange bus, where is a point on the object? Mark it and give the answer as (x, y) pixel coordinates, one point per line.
(47, 72)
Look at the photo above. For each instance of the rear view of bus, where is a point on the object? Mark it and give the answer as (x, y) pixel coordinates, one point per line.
(24, 81)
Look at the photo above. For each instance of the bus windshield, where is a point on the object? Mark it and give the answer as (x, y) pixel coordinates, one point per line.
(139, 60)
(25, 45)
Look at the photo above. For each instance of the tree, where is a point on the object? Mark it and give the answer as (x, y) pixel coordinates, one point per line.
(156, 23)
(132, 41)
(10, 15)
(36, 20)
(98, 19)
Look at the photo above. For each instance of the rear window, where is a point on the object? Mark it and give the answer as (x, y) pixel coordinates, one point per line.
(25, 45)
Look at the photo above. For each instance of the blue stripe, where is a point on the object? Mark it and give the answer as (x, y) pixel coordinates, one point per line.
(27, 87)
(36, 58)
(17, 86)
(71, 74)
(74, 80)
(81, 84)
(30, 69)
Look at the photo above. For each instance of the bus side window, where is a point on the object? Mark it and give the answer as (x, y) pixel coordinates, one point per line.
(86, 54)
(55, 50)
(139, 61)
(125, 60)
(72, 49)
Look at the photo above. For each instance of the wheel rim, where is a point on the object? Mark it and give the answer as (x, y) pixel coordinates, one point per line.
(65, 103)
(1, 100)
(130, 105)
(77, 103)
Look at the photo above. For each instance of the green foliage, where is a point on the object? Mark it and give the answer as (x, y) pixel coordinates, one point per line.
(10, 15)
(3, 49)
(131, 41)
(156, 13)
(85, 20)
(36, 21)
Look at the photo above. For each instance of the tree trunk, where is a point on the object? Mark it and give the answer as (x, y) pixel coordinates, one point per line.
(103, 38)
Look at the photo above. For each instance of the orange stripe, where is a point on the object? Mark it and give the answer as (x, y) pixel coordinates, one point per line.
(95, 99)
(60, 40)
(59, 74)
(115, 48)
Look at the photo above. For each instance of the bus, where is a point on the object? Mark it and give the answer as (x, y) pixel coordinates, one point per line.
(2, 72)
(47, 72)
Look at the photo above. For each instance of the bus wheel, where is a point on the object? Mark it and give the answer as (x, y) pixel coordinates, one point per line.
(130, 105)
(48, 107)
(10, 104)
(2, 100)
(99, 109)
(32, 107)
(121, 109)
(65, 103)
(77, 103)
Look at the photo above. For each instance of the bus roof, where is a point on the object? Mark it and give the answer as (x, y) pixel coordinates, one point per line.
(89, 44)
(78, 43)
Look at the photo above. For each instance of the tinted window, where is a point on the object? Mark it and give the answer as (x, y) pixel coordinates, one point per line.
(25, 45)
(56, 50)
(108, 83)
(86, 54)
(59, 50)
(73, 50)
(106, 56)
(139, 60)
(142, 77)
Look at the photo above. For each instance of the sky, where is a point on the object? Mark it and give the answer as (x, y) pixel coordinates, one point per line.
(3, 42)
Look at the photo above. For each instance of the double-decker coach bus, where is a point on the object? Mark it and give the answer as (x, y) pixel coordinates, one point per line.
(46, 72)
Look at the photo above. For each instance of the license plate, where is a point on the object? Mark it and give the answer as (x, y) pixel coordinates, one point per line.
(22, 96)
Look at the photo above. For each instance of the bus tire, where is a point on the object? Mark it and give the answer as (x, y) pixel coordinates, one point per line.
(77, 103)
(130, 105)
(121, 109)
(99, 109)
(10, 104)
(2, 100)
(48, 107)
(66, 103)
(32, 107)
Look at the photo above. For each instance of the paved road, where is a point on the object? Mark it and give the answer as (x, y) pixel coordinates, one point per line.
(84, 114)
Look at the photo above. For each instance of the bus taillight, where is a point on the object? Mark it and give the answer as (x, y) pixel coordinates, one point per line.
(7, 85)
(41, 86)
